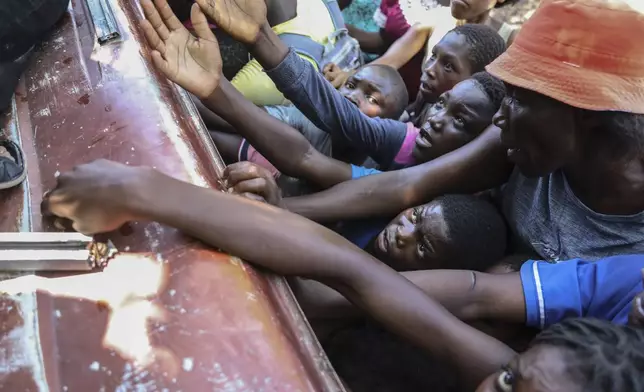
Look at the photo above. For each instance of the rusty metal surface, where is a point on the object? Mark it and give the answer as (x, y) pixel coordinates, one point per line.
(168, 314)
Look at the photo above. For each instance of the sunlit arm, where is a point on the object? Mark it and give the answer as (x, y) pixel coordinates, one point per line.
(291, 245)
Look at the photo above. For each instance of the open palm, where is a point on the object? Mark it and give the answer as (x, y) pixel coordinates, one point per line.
(192, 62)
(242, 19)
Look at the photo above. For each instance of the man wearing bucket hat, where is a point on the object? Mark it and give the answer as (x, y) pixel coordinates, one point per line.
(568, 141)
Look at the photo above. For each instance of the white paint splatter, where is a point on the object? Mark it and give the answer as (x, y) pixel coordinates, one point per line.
(43, 112)
(95, 366)
(58, 313)
(188, 364)
(172, 292)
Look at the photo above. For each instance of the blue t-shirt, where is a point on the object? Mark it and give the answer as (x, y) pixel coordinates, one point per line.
(602, 289)
(361, 231)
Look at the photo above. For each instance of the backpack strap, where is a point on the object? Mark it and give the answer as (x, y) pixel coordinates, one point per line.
(304, 45)
(336, 14)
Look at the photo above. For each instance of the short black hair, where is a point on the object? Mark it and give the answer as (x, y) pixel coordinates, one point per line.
(602, 356)
(485, 44)
(491, 86)
(399, 93)
(476, 230)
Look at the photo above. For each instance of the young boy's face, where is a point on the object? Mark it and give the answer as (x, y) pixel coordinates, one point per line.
(471, 9)
(415, 239)
(458, 117)
(447, 66)
(370, 91)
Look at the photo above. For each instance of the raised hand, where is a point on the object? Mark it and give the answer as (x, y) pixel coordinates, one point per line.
(336, 76)
(242, 19)
(97, 197)
(192, 62)
(253, 182)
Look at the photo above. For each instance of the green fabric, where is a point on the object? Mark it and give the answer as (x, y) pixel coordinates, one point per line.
(360, 14)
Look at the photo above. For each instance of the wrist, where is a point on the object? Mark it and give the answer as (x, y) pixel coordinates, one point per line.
(268, 49)
(140, 201)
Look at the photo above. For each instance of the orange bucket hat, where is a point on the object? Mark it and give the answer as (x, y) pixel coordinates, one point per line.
(586, 53)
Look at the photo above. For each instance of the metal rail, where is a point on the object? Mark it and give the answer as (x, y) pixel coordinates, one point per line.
(27, 251)
(104, 21)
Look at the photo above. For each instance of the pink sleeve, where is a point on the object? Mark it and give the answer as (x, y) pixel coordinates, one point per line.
(404, 156)
(396, 25)
(248, 153)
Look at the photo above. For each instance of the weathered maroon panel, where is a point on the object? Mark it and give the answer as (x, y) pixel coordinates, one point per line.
(168, 314)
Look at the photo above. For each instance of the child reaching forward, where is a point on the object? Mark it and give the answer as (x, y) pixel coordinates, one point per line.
(377, 90)
(576, 355)
(460, 115)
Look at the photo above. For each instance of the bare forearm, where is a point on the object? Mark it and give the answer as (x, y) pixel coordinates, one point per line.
(482, 164)
(302, 248)
(268, 135)
(406, 47)
(269, 50)
(468, 295)
(212, 120)
(370, 42)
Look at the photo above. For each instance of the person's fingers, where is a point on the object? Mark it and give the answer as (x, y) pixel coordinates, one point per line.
(155, 42)
(152, 15)
(59, 206)
(209, 7)
(161, 64)
(83, 228)
(168, 16)
(200, 24)
(253, 196)
(240, 171)
(330, 67)
(257, 186)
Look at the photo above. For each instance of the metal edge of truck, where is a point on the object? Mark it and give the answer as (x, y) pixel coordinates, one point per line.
(193, 319)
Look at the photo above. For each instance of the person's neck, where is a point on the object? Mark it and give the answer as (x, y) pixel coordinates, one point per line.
(484, 18)
(616, 189)
(280, 11)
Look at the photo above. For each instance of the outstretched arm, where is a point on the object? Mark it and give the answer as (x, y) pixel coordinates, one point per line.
(286, 148)
(479, 165)
(406, 47)
(468, 295)
(101, 196)
(307, 88)
(170, 40)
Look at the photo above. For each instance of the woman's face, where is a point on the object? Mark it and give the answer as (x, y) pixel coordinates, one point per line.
(540, 369)
(538, 132)
(416, 239)
(471, 9)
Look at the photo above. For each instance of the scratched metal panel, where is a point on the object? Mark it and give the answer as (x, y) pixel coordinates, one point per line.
(170, 314)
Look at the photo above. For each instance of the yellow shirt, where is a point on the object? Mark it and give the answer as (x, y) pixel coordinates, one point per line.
(313, 20)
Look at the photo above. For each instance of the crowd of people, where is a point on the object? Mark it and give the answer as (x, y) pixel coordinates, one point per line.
(475, 188)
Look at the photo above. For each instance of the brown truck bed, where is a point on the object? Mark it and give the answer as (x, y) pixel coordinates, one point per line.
(168, 314)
